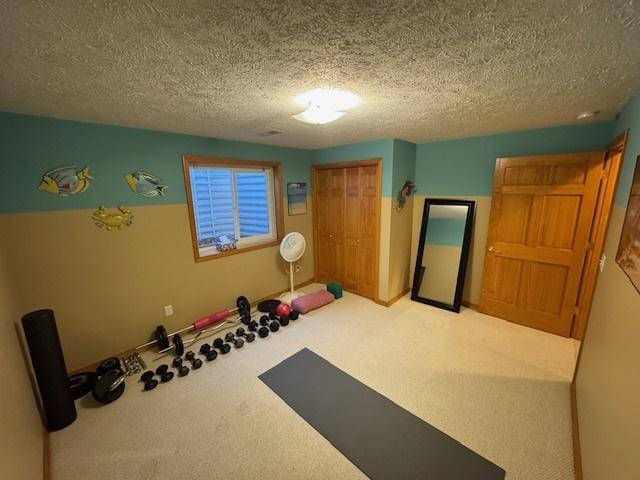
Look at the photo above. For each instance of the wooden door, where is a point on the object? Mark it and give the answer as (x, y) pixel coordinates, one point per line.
(347, 225)
(541, 215)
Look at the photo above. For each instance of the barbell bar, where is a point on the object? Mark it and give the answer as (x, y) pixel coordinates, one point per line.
(162, 338)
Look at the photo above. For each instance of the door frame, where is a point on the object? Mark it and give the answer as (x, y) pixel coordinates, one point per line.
(377, 162)
(598, 234)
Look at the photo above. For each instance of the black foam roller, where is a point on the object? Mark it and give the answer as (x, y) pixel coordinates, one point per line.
(50, 370)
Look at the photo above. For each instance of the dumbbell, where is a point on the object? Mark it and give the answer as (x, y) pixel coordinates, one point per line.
(211, 355)
(196, 363)
(220, 345)
(237, 342)
(253, 326)
(149, 382)
(284, 320)
(294, 315)
(164, 373)
(250, 337)
(207, 351)
(177, 362)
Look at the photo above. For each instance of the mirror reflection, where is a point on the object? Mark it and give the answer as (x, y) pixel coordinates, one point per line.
(442, 255)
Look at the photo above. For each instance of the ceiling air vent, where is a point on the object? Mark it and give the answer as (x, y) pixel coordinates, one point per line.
(270, 133)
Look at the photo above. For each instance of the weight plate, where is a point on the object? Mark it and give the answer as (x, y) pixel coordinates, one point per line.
(101, 390)
(178, 345)
(268, 306)
(161, 337)
(244, 307)
(81, 384)
(108, 364)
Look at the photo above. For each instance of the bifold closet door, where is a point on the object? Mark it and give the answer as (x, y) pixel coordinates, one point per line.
(347, 200)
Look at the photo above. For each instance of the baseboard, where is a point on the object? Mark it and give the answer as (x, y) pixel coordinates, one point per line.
(94, 365)
(46, 456)
(388, 303)
(473, 306)
(575, 433)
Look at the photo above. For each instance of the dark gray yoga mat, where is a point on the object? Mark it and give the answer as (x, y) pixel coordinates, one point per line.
(381, 438)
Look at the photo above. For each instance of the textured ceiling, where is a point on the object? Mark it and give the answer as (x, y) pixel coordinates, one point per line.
(426, 70)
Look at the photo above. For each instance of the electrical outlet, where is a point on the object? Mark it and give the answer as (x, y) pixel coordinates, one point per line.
(168, 310)
(601, 263)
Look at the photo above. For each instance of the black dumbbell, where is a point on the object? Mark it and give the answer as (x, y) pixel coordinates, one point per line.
(190, 355)
(211, 355)
(162, 369)
(237, 342)
(146, 376)
(274, 326)
(183, 371)
(166, 377)
(177, 362)
(250, 337)
(220, 345)
(253, 326)
(294, 315)
(150, 384)
(263, 332)
(205, 348)
(196, 363)
(272, 315)
(284, 320)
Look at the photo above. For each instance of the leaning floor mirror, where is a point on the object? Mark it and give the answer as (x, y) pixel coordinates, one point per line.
(443, 252)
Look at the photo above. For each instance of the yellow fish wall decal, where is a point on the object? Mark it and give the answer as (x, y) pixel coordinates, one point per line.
(65, 181)
(123, 217)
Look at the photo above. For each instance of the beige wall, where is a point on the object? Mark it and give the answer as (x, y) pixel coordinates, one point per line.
(608, 382)
(399, 256)
(475, 265)
(21, 430)
(108, 289)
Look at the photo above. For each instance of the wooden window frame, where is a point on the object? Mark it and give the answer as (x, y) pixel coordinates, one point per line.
(199, 161)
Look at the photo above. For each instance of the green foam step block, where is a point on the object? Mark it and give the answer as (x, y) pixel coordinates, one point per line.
(335, 288)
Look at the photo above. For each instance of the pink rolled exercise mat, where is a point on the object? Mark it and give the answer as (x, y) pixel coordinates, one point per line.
(311, 301)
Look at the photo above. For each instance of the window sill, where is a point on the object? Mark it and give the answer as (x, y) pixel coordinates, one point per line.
(249, 248)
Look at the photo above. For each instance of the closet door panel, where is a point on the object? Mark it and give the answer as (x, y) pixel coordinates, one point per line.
(368, 215)
(352, 230)
(325, 259)
(336, 224)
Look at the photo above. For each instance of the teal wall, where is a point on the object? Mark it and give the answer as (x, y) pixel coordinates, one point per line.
(404, 164)
(466, 166)
(30, 146)
(361, 151)
(445, 231)
(629, 119)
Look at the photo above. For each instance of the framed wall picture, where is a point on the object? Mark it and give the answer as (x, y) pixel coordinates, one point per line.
(297, 198)
(628, 256)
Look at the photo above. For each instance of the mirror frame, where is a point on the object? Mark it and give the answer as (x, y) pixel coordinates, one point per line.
(464, 255)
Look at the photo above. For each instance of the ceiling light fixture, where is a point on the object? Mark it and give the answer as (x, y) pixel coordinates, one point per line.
(585, 115)
(324, 105)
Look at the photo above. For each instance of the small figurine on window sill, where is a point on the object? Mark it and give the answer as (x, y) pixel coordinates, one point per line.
(225, 243)
(405, 192)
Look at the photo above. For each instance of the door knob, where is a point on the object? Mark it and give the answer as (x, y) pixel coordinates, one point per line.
(492, 249)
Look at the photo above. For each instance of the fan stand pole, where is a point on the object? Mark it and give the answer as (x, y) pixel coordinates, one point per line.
(291, 278)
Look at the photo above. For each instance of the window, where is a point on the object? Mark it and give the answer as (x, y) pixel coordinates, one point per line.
(234, 205)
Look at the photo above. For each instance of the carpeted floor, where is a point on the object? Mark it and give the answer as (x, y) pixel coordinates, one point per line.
(499, 388)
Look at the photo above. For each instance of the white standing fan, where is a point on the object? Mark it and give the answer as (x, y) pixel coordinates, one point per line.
(291, 250)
